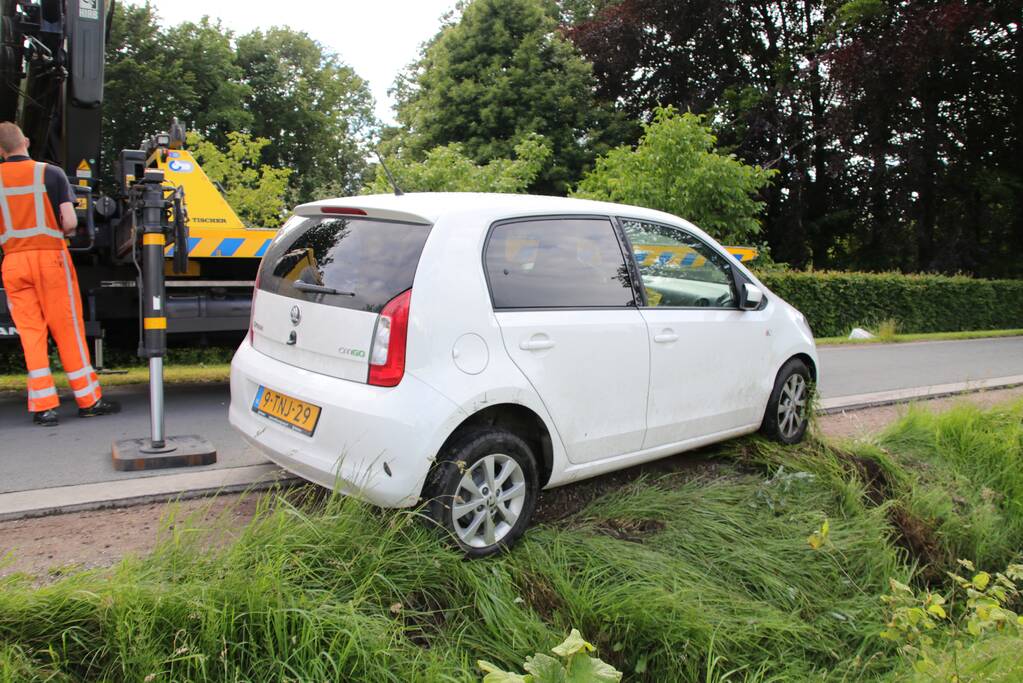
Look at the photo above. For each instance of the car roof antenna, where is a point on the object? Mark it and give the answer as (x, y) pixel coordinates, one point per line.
(390, 178)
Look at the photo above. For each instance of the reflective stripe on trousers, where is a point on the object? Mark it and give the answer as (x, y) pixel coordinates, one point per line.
(43, 287)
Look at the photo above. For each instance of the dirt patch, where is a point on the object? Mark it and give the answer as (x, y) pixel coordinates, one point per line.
(49, 546)
(556, 504)
(542, 598)
(632, 530)
(921, 542)
(875, 480)
(860, 423)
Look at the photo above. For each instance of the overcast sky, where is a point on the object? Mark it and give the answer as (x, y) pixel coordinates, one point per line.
(376, 37)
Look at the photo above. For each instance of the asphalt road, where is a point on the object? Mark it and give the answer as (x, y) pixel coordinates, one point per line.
(78, 451)
(847, 370)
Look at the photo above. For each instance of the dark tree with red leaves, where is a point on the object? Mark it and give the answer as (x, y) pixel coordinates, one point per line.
(929, 117)
(894, 125)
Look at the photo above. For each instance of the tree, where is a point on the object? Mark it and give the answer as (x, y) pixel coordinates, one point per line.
(154, 75)
(674, 168)
(316, 111)
(500, 72)
(931, 109)
(255, 191)
(753, 69)
(448, 169)
(141, 93)
(218, 94)
(892, 124)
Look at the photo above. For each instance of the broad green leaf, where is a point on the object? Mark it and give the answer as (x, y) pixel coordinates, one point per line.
(938, 611)
(923, 665)
(573, 644)
(981, 580)
(496, 675)
(591, 670)
(545, 669)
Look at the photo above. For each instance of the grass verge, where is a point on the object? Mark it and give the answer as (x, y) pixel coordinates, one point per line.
(172, 374)
(929, 336)
(679, 578)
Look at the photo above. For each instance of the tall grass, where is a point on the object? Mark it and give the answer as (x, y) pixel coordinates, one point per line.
(963, 478)
(674, 579)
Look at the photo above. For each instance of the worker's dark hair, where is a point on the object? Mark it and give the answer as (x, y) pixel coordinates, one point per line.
(11, 137)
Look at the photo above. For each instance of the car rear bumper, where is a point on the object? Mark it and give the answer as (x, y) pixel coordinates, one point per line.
(372, 443)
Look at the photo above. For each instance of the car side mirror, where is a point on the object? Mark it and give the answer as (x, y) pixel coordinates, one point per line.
(752, 297)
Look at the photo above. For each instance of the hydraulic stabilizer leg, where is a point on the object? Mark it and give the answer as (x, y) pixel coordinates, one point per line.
(154, 324)
(158, 451)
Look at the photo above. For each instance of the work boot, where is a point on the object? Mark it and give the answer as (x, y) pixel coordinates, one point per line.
(46, 418)
(100, 407)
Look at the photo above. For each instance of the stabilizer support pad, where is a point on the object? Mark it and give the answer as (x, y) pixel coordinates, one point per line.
(131, 455)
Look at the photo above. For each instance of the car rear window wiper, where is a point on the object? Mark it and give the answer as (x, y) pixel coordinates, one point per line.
(304, 286)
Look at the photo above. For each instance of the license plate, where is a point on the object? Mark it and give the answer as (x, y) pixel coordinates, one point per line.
(285, 410)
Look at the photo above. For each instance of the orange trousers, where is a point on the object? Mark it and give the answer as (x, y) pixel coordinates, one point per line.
(42, 293)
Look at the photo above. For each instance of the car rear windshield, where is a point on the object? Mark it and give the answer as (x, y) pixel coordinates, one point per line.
(355, 263)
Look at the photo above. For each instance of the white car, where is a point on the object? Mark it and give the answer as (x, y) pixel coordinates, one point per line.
(468, 350)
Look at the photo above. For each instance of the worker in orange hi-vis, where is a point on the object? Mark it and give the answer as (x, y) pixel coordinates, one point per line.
(36, 212)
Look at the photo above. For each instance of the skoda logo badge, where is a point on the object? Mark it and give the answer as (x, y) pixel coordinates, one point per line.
(296, 315)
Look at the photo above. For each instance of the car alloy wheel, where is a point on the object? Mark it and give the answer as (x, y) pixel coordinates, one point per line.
(483, 490)
(792, 406)
(789, 409)
(489, 499)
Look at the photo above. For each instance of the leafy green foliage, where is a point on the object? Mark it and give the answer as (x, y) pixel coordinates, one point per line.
(676, 169)
(315, 110)
(835, 302)
(448, 169)
(574, 666)
(255, 191)
(216, 106)
(499, 72)
(154, 74)
(281, 85)
(928, 628)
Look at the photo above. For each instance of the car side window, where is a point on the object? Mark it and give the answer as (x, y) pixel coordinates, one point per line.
(557, 263)
(678, 269)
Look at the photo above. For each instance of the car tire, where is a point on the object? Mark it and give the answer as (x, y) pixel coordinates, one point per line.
(483, 491)
(788, 410)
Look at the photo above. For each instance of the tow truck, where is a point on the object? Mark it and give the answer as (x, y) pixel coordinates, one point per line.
(52, 55)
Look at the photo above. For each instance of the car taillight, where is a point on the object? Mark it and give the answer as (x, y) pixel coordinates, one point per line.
(387, 355)
(252, 306)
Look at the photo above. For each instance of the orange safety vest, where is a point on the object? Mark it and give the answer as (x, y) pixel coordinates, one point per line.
(27, 222)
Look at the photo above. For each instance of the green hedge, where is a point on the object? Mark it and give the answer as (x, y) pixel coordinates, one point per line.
(835, 302)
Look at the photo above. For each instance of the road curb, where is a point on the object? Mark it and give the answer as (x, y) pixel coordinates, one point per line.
(139, 491)
(184, 485)
(841, 404)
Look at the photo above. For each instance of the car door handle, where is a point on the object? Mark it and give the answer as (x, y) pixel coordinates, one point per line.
(536, 344)
(666, 337)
